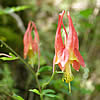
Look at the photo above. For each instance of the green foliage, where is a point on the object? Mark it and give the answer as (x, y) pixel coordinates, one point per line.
(48, 91)
(34, 60)
(51, 95)
(16, 97)
(85, 91)
(97, 87)
(86, 13)
(59, 72)
(6, 82)
(13, 9)
(35, 91)
(10, 36)
(45, 68)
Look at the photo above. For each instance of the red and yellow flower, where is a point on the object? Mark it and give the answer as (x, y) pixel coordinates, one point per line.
(31, 46)
(67, 53)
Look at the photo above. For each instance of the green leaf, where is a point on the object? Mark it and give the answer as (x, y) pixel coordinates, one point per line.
(12, 57)
(97, 86)
(51, 95)
(13, 9)
(48, 91)
(59, 72)
(45, 68)
(16, 97)
(35, 91)
(35, 61)
(85, 91)
(86, 13)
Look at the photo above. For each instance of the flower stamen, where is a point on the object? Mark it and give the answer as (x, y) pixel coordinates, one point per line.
(68, 76)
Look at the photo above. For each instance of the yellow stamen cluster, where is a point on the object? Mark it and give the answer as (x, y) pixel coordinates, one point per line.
(68, 77)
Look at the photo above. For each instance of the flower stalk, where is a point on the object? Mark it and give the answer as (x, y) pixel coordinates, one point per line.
(20, 58)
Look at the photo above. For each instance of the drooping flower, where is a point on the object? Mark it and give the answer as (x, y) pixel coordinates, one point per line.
(31, 45)
(67, 53)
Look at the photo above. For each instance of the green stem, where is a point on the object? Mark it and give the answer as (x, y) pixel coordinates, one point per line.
(38, 58)
(36, 76)
(7, 94)
(41, 97)
(29, 67)
(37, 80)
(69, 87)
(45, 84)
(21, 59)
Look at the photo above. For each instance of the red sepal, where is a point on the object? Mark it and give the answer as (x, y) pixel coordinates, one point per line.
(76, 65)
(79, 57)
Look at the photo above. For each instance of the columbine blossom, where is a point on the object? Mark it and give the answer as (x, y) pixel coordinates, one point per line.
(67, 53)
(31, 46)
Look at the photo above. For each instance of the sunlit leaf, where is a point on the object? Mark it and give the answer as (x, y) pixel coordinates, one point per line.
(59, 72)
(45, 68)
(51, 95)
(13, 9)
(48, 91)
(86, 13)
(85, 91)
(16, 97)
(35, 91)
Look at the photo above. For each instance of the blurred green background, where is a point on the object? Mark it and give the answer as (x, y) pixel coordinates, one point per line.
(14, 18)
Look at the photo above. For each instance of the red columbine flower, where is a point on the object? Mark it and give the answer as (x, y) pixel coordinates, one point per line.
(67, 53)
(31, 46)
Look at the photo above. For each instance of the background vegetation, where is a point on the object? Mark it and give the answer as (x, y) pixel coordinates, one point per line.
(15, 79)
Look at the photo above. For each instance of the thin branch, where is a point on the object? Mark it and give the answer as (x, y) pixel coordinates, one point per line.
(45, 84)
(29, 67)
(19, 21)
(21, 59)
(38, 69)
(36, 76)
(38, 58)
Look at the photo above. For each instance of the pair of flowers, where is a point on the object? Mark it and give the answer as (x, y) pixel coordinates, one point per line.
(66, 53)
